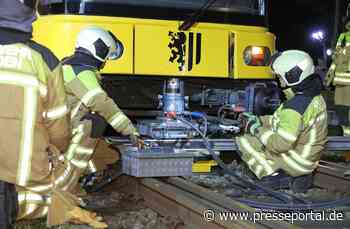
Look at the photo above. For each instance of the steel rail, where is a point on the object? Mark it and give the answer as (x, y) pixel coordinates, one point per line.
(188, 201)
(229, 144)
(331, 176)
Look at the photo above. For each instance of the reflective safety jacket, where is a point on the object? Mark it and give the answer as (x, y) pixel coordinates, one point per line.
(343, 40)
(85, 94)
(291, 139)
(340, 68)
(33, 114)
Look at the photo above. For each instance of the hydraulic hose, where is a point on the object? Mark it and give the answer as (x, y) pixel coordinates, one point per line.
(311, 206)
(282, 197)
(201, 116)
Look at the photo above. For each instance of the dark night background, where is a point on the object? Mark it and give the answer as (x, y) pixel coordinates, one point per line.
(293, 22)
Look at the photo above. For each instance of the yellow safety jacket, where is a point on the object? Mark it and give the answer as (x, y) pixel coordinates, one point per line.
(33, 116)
(291, 139)
(339, 71)
(340, 68)
(85, 94)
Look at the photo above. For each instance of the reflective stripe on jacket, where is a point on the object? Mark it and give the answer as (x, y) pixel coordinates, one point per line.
(86, 94)
(288, 140)
(343, 39)
(34, 112)
(341, 61)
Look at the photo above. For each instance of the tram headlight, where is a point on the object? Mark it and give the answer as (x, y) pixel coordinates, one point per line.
(256, 56)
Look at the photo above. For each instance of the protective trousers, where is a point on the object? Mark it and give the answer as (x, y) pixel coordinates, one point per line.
(254, 156)
(54, 197)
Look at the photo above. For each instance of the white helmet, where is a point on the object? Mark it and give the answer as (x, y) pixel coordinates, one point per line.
(293, 66)
(101, 44)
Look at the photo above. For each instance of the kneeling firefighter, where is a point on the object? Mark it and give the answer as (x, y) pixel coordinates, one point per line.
(292, 139)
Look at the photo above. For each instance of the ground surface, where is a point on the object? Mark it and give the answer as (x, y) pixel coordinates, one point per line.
(119, 211)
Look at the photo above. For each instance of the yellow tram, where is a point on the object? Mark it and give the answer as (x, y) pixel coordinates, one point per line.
(228, 38)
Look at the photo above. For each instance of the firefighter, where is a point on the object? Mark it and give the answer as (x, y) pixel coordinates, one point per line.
(339, 72)
(89, 107)
(292, 139)
(86, 97)
(36, 124)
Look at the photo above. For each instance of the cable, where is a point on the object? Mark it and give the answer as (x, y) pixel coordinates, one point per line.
(202, 116)
(311, 206)
(283, 197)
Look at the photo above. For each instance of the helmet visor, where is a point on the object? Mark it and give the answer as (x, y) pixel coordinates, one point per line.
(119, 48)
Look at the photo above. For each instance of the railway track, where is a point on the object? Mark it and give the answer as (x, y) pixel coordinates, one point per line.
(188, 202)
(332, 176)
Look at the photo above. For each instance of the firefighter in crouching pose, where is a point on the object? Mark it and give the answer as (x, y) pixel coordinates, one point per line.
(291, 140)
(36, 127)
(88, 100)
(90, 108)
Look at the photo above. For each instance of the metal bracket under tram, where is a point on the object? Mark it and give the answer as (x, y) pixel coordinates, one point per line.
(334, 143)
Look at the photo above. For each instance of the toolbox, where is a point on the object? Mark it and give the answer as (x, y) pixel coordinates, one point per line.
(157, 162)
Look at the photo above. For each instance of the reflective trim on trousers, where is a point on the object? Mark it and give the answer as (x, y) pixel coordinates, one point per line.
(251, 161)
(29, 197)
(300, 160)
(79, 164)
(74, 145)
(92, 167)
(258, 170)
(56, 112)
(84, 150)
(26, 148)
(44, 211)
(262, 161)
(30, 208)
(295, 166)
(40, 188)
(58, 180)
(67, 172)
(265, 136)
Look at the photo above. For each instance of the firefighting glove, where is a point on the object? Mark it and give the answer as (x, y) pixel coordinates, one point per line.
(252, 123)
(81, 216)
(136, 140)
(253, 126)
(99, 124)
